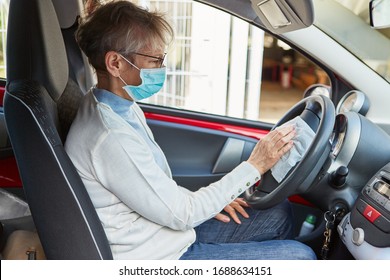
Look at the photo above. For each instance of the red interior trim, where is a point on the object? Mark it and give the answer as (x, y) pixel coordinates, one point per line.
(299, 200)
(9, 175)
(2, 91)
(245, 131)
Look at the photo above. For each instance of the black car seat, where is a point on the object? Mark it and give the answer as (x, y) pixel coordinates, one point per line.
(39, 105)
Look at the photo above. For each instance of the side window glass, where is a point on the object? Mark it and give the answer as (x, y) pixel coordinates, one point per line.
(222, 65)
(3, 35)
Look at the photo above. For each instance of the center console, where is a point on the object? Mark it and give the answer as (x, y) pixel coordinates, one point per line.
(366, 229)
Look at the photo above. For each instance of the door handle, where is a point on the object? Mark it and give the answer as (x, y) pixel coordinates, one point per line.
(230, 156)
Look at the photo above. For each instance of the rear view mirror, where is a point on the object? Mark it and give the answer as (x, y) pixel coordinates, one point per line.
(380, 13)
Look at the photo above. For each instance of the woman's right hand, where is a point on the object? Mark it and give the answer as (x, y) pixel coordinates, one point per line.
(271, 148)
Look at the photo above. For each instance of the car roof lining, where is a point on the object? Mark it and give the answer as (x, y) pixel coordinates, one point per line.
(240, 8)
(300, 13)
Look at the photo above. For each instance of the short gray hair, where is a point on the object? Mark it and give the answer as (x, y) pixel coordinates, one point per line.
(123, 27)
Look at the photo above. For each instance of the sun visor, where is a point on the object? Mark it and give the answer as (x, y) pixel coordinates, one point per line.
(281, 16)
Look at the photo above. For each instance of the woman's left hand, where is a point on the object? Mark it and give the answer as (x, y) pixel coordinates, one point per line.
(236, 206)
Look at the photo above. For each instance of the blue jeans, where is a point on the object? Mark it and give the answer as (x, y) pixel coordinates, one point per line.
(260, 237)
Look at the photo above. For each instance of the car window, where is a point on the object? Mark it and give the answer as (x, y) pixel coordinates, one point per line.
(3, 32)
(222, 65)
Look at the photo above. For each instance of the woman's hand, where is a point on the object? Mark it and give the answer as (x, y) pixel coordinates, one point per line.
(265, 155)
(271, 148)
(236, 206)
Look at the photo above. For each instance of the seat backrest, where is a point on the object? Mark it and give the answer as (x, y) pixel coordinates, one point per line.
(39, 105)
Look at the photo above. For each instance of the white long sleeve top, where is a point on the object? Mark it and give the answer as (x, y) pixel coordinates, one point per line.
(144, 213)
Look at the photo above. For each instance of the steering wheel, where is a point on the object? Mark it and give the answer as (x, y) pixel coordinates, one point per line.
(319, 113)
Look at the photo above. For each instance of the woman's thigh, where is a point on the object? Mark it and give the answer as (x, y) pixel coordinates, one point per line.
(271, 224)
(265, 250)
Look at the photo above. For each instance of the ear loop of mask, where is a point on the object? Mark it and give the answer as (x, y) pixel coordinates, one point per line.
(132, 64)
(123, 81)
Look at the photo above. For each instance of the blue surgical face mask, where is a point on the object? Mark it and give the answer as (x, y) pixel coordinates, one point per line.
(152, 82)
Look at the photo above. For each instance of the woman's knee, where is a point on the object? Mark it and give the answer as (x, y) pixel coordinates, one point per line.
(283, 214)
(300, 251)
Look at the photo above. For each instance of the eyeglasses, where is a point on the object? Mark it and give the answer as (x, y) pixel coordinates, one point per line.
(160, 60)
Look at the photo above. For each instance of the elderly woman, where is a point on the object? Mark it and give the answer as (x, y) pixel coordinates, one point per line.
(145, 214)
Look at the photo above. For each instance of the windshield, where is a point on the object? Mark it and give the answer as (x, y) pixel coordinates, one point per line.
(350, 26)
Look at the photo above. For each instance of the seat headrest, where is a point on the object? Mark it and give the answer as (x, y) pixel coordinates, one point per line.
(35, 47)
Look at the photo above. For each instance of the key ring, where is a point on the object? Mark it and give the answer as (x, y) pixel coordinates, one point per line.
(329, 214)
(329, 217)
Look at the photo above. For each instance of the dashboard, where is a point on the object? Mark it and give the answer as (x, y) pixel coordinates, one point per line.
(354, 101)
(356, 177)
(358, 149)
(366, 229)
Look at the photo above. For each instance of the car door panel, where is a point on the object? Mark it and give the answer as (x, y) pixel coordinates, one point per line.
(200, 152)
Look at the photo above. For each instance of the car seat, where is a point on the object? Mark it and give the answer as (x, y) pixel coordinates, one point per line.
(39, 106)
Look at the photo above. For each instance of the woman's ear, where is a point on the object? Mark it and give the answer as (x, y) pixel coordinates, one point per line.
(114, 63)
